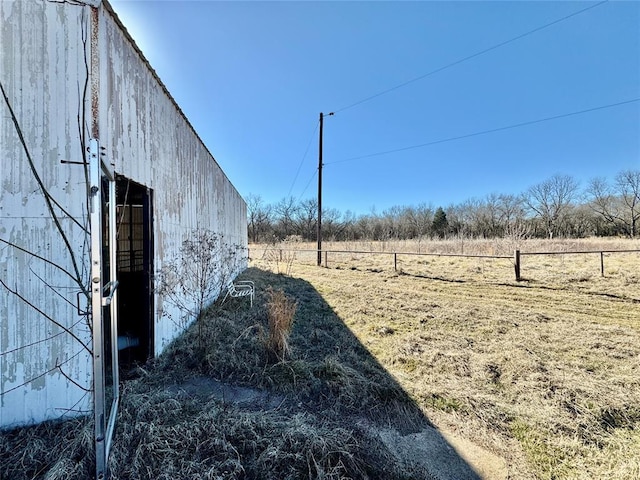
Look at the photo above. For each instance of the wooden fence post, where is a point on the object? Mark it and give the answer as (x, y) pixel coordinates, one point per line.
(395, 262)
(326, 259)
(516, 263)
(602, 264)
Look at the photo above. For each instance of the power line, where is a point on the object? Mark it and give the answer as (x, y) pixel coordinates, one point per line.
(303, 157)
(308, 183)
(484, 132)
(469, 57)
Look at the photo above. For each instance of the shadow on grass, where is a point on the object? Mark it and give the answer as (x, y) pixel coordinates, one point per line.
(214, 406)
(333, 376)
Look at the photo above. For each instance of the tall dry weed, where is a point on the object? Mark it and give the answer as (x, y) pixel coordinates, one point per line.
(280, 311)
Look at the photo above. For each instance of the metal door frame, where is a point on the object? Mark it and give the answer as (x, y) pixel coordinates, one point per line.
(103, 295)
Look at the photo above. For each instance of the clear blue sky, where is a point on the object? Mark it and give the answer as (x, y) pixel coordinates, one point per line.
(252, 77)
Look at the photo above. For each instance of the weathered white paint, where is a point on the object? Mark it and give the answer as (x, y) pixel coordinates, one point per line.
(44, 65)
(151, 142)
(41, 65)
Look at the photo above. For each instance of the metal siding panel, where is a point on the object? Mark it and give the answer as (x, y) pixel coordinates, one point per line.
(150, 141)
(153, 144)
(41, 64)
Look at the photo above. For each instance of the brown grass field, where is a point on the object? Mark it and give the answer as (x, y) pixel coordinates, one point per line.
(544, 372)
(537, 379)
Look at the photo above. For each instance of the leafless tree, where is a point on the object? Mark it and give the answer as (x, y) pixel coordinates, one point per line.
(619, 204)
(364, 227)
(285, 211)
(551, 200)
(259, 217)
(548, 209)
(334, 223)
(391, 222)
(583, 222)
(628, 185)
(491, 216)
(472, 216)
(424, 218)
(305, 217)
(603, 201)
(511, 210)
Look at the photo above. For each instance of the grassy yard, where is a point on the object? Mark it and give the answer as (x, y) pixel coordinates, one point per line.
(217, 405)
(539, 379)
(544, 372)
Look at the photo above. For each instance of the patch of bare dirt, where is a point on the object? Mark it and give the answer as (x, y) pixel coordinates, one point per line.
(441, 455)
(212, 388)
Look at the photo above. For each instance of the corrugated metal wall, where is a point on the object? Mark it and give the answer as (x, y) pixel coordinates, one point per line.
(45, 58)
(42, 71)
(151, 142)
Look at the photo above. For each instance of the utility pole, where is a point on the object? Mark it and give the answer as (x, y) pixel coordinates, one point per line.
(319, 225)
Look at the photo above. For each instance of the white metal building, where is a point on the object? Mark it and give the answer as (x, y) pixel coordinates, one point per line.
(75, 91)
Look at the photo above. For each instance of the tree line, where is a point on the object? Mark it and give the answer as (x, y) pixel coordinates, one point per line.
(556, 207)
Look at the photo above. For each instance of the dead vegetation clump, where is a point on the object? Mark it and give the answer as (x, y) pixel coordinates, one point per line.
(281, 255)
(280, 313)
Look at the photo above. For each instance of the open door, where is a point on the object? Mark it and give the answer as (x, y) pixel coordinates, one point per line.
(135, 272)
(104, 284)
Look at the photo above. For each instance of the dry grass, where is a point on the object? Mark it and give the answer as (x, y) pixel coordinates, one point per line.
(493, 246)
(544, 372)
(52, 450)
(308, 416)
(576, 271)
(280, 312)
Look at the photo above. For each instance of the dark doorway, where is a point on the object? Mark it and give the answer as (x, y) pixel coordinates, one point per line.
(134, 222)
